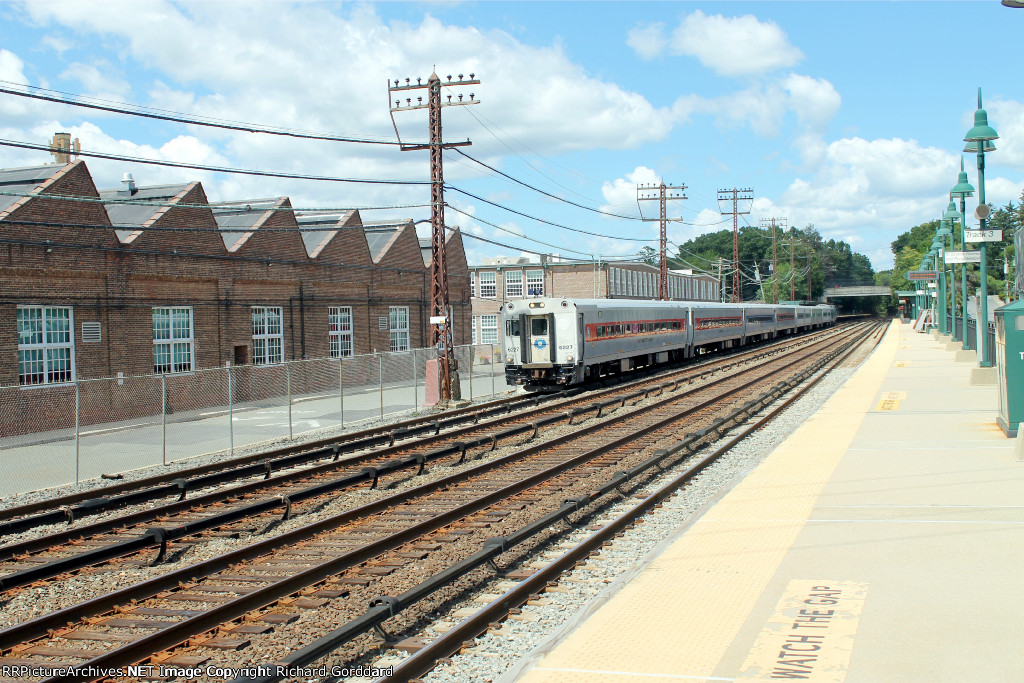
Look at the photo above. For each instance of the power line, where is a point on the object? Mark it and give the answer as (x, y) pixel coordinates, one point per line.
(73, 100)
(216, 169)
(546, 222)
(232, 205)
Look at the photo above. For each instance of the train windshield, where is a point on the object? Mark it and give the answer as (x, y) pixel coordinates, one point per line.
(511, 328)
(539, 327)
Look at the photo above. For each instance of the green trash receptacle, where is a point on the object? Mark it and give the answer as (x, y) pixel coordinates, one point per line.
(1010, 366)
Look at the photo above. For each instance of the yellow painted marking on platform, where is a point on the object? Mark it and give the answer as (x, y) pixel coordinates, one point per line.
(901, 364)
(894, 395)
(888, 404)
(681, 614)
(811, 634)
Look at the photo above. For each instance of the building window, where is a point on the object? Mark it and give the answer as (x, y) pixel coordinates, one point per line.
(399, 319)
(488, 329)
(172, 340)
(513, 283)
(488, 286)
(472, 326)
(535, 282)
(472, 284)
(267, 335)
(339, 330)
(46, 346)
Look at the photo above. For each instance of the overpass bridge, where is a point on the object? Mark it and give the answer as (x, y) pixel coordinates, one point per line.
(856, 290)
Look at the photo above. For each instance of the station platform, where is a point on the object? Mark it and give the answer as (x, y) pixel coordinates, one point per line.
(882, 541)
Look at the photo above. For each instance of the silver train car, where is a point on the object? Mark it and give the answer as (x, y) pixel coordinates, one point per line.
(551, 342)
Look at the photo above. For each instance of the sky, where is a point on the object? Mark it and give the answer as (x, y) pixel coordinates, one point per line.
(845, 115)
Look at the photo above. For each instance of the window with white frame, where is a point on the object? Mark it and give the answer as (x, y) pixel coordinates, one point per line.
(472, 326)
(621, 277)
(488, 285)
(398, 317)
(535, 283)
(173, 339)
(267, 335)
(513, 283)
(472, 284)
(488, 329)
(339, 331)
(46, 345)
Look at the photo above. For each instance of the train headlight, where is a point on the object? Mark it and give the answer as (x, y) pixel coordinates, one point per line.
(569, 358)
(509, 359)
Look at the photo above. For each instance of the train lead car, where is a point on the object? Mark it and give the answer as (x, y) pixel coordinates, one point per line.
(551, 342)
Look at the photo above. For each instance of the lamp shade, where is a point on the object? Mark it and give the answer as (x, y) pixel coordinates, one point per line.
(981, 130)
(972, 147)
(951, 213)
(943, 230)
(963, 188)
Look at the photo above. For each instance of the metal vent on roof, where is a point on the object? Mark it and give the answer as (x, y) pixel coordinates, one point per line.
(91, 332)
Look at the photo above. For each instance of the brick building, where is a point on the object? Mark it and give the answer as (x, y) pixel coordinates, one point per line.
(498, 280)
(142, 280)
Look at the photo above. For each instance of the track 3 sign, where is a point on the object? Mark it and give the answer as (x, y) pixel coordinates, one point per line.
(922, 275)
(983, 236)
(963, 256)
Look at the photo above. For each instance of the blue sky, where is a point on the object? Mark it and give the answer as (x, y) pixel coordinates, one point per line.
(847, 115)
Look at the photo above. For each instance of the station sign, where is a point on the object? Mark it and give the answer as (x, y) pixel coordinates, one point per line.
(963, 257)
(983, 235)
(922, 275)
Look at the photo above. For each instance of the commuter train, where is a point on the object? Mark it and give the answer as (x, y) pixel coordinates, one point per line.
(551, 342)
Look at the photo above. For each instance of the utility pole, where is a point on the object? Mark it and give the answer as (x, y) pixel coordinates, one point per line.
(737, 195)
(780, 222)
(440, 325)
(792, 270)
(661, 193)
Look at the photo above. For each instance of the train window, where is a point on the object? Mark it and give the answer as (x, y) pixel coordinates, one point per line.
(618, 329)
(675, 324)
(588, 332)
(511, 328)
(600, 330)
(539, 327)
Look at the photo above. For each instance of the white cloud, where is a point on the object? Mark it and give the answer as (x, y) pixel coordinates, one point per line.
(1007, 117)
(734, 46)
(647, 40)
(96, 80)
(620, 194)
(815, 101)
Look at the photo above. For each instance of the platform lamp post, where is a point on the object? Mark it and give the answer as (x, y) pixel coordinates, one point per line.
(945, 285)
(977, 140)
(963, 189)
(922, 289)
(941, 267)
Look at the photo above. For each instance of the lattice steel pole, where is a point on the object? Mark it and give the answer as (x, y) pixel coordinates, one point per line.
(441, 325)
(737, 195)
(780, 223)
(661, 193)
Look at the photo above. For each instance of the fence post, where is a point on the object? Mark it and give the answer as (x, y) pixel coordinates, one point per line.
(380, 376)
(163, 415)
(78, 424)
(231, 414)
(341, 389)
(288, 383)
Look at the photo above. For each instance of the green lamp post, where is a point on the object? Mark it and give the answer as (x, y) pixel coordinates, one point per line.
(943, 233)
(962, 189)
(922, 301)
(978, 139)
(940, 303)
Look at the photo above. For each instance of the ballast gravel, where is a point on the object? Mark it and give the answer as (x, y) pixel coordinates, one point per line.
(502, 655)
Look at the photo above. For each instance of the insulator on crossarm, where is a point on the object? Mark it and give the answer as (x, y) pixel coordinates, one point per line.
(460, 77)
(407, 81)
(460, 98)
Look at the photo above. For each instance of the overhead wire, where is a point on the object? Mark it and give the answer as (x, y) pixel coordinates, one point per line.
(217, 169)
(70, 99)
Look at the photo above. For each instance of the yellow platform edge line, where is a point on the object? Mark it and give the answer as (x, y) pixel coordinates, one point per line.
(679, 616)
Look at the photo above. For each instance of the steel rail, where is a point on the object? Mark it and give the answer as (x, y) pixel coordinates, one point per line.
(450, 642)
(383, 608)
(181, 631)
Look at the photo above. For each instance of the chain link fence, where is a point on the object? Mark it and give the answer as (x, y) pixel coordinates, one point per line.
(54, 435)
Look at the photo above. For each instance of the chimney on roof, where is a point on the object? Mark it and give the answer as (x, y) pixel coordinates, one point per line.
(128, 183)
(62, 148)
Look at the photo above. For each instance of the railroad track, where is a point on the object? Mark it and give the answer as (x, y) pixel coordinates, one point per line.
(254, 506)
(319, 574)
